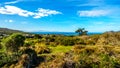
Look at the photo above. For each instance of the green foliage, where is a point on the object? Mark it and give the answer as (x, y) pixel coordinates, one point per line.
(27, 44)
(79, 41)
(8, 59)
(57, 51)
(13, 42)
(40, 49)
(67, 41)
(1, 46)
(60, 49)
(81, 31)
(30, 42)
(96, 56)
(36, 36)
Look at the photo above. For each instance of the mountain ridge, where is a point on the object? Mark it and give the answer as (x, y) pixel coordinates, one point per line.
(9, 31)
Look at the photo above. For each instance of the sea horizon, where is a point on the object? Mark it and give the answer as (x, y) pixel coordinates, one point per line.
(65, 33)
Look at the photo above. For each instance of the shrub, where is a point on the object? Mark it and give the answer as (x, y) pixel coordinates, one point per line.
(79, 41)
(41, 49)
(6, 60)
(37, 36)
(1, 46)
(68, 41)
(55, 61)
(84, 49)
(27, 44)
(13, 42)
(109, 38)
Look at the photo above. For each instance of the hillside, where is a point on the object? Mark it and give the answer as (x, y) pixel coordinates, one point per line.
(9, 31)
(57, 51)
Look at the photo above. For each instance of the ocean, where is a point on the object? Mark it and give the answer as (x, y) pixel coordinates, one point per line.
(65, 33)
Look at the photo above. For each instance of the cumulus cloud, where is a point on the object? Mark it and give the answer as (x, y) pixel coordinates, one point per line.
(93, 13)
(13, 10)
(45, 12)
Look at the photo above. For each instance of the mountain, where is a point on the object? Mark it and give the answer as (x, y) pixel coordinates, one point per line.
(9, 31)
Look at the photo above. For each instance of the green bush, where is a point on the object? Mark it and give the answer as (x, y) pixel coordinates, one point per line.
(37, 36)
(68, 41)
(79, 41)
(27, 44)
(40, 49)
(1, 46)
(6, 59)
(13, 42)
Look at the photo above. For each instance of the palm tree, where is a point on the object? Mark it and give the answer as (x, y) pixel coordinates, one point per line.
(81, 31)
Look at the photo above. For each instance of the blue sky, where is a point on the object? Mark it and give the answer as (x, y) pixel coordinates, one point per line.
(60, 15)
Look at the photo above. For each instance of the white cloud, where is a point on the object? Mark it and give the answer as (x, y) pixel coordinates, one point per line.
(93, 13)
(45, 12)
(10, 21)
(13, 2)
(13, 10)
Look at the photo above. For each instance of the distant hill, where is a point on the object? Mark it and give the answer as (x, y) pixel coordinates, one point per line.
(9, 31)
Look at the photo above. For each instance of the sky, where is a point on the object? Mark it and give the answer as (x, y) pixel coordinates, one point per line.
(60, 15)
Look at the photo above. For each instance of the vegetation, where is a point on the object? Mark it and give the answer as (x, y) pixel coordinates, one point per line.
(13, 42)
(58, 51)
(81, 31)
